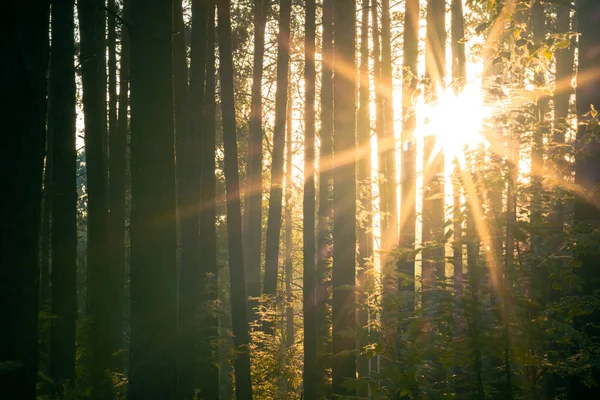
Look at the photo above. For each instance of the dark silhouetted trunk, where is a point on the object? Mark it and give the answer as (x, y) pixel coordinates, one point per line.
(254, 183)
(308, 210)
(153, 204)
(23, 67)
(208, 371)
(344, 197)
(93, 65)
(325, 213)
(239, 317)
(117, 171)
(276, 192)
(61, 121)
(289, 244)
(45, 234)
(365, 226)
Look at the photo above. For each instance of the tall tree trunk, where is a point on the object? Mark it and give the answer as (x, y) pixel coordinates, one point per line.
(325, 213)
(23, 67)
(276, 192)
(117, 169)
(61, 121)
(243, 383)
(309, 299)
(253, 194)
(93, 65)
(45, 232)
(289, 244)
(365, 227)
(153, 204)
(344, 196)
(433, 164)
(208, 371)
(587, 175)
(189, 139)
(408, 171)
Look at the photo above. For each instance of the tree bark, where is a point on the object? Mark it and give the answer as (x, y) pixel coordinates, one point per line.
(308, 210)
(243, 383)
(289, 243)
(61, 121)
(23, 67)
(344, 196)
(276, 191)
(325, 212)
(153, 208)
(93, 65)
(209, 372)
(365, 226)
(253, 193)
(117, 170)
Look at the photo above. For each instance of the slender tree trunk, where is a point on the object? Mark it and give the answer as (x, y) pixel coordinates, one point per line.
(587, 175)
(189, 139)
(153, 208)
(253, 194)
(23, 67)
(61, 120)
(325, 212)
(93, 65)
(289, 244)
(117, 160)
(276, 192)
(365, 226)
(408, 171)
(344, 196)
(433, 163)
(243, 383)
(208, 371)
(45, 232)
(309, 300)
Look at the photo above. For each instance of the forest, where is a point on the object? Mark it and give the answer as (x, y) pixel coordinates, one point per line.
(299, 199)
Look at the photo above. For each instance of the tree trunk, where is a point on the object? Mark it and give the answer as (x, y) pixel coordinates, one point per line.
(23, 67)
(344, 197)
(189, 150)
(117, 161)
(325, 213)
(61, 121)
(276, 192)
(289, 244)
(308, 209)
(365, 227)
(93, 66)
(243, 383)
(587, 175)
(208, 371)
(153, 208)
(408, 171)
(45, 233)
(253, 194)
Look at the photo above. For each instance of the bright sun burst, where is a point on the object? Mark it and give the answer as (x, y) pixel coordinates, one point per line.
(454, 119)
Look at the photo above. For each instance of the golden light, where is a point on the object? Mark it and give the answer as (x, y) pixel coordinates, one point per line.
(454, 119)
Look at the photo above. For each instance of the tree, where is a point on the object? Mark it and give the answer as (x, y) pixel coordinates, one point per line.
(587, 176)
(93, 67)
(325, 211)
(365, 237)
(61, 121)
(243, 383)
(117, 190)
(344, 197)
(309, 300)
(276, 191)
(153, 204)
(408, 170)
(209, 373)
(253, 194)
(23, 71)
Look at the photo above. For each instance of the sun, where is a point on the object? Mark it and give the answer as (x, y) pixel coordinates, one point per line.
(455, 119)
